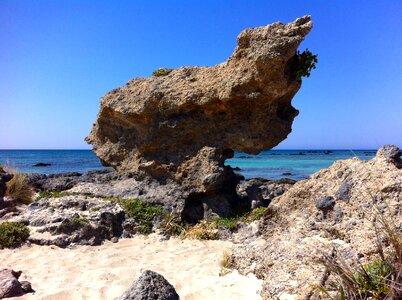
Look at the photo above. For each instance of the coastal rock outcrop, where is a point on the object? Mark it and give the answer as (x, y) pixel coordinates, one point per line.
(181, 126)
(4, 178)
(334, 208)
(71, 219)
(150, 285)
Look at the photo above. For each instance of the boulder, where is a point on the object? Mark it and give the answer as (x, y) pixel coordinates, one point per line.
(180, 127)
(10, 286)
(150, 286)
(4, 178)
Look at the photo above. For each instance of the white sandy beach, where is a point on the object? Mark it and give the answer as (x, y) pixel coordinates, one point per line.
(106, 271)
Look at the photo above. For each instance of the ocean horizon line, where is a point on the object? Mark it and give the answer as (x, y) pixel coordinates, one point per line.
(288, 149)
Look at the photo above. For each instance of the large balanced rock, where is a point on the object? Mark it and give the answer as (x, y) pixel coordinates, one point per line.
(150, 286)
(182, 126)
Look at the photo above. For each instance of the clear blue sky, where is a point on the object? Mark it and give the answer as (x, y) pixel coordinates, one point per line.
(57, 58)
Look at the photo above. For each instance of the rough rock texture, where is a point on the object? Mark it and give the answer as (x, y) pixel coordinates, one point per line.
(181, 127)
(65, 181)
(150, 286)
(260, 191)
(296, 230)
(4, 178)
(10, 286)
(71, 220)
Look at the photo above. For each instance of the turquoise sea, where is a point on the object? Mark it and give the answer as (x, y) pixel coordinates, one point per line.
(296, 164)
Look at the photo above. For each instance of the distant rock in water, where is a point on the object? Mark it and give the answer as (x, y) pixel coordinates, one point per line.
(41, 165)
(180, 126)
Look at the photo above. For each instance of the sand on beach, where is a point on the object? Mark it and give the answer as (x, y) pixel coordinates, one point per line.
(106, 271)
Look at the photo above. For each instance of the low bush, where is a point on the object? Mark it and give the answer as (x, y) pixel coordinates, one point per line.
(303, 64)
(161, 72)
(51, 194)
(12, 234)
(18, 187)
(143, 213)
(380, 278)
(230, 222)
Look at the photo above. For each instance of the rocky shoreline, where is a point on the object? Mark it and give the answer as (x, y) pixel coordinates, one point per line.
(302, 219)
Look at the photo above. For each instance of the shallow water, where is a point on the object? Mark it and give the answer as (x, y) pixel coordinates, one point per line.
(268, 164)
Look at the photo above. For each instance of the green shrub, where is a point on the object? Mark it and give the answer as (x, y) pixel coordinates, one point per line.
(79, 220)
(230, 222)
(303, 64)
(373, 278)
(12, 234)
(161, 72)
(51, 194)
(143, 213)
(227, 222)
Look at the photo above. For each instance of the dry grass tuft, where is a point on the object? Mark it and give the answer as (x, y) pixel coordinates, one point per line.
(18, 188)
(226, 263)
(202, 231)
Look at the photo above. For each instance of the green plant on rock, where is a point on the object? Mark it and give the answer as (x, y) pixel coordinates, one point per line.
(79, 220)
(161, 72)
(51, 194)
(229, 223)
(304, 62)
(373, 278)
(12, 234)
(143, 213)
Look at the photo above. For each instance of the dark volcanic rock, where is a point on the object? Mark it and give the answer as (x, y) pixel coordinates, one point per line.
(65, 181)
(41, 165)
(260, 191)
(325, 203)
(343, 193)
(150, 286)
(391, 152)
(180, 128)
(10, 286)
(4, 178)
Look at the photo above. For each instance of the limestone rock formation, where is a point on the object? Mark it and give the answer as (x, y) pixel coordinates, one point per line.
(181, 127)
(335, 207)
(150, 286)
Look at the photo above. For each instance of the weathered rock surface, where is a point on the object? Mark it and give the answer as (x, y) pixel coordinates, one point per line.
(180, 128)
(295, 230)
(71, 220)
(10, 286)
(150, 286)
(260, 191)
(4, 178)
(65, 181)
